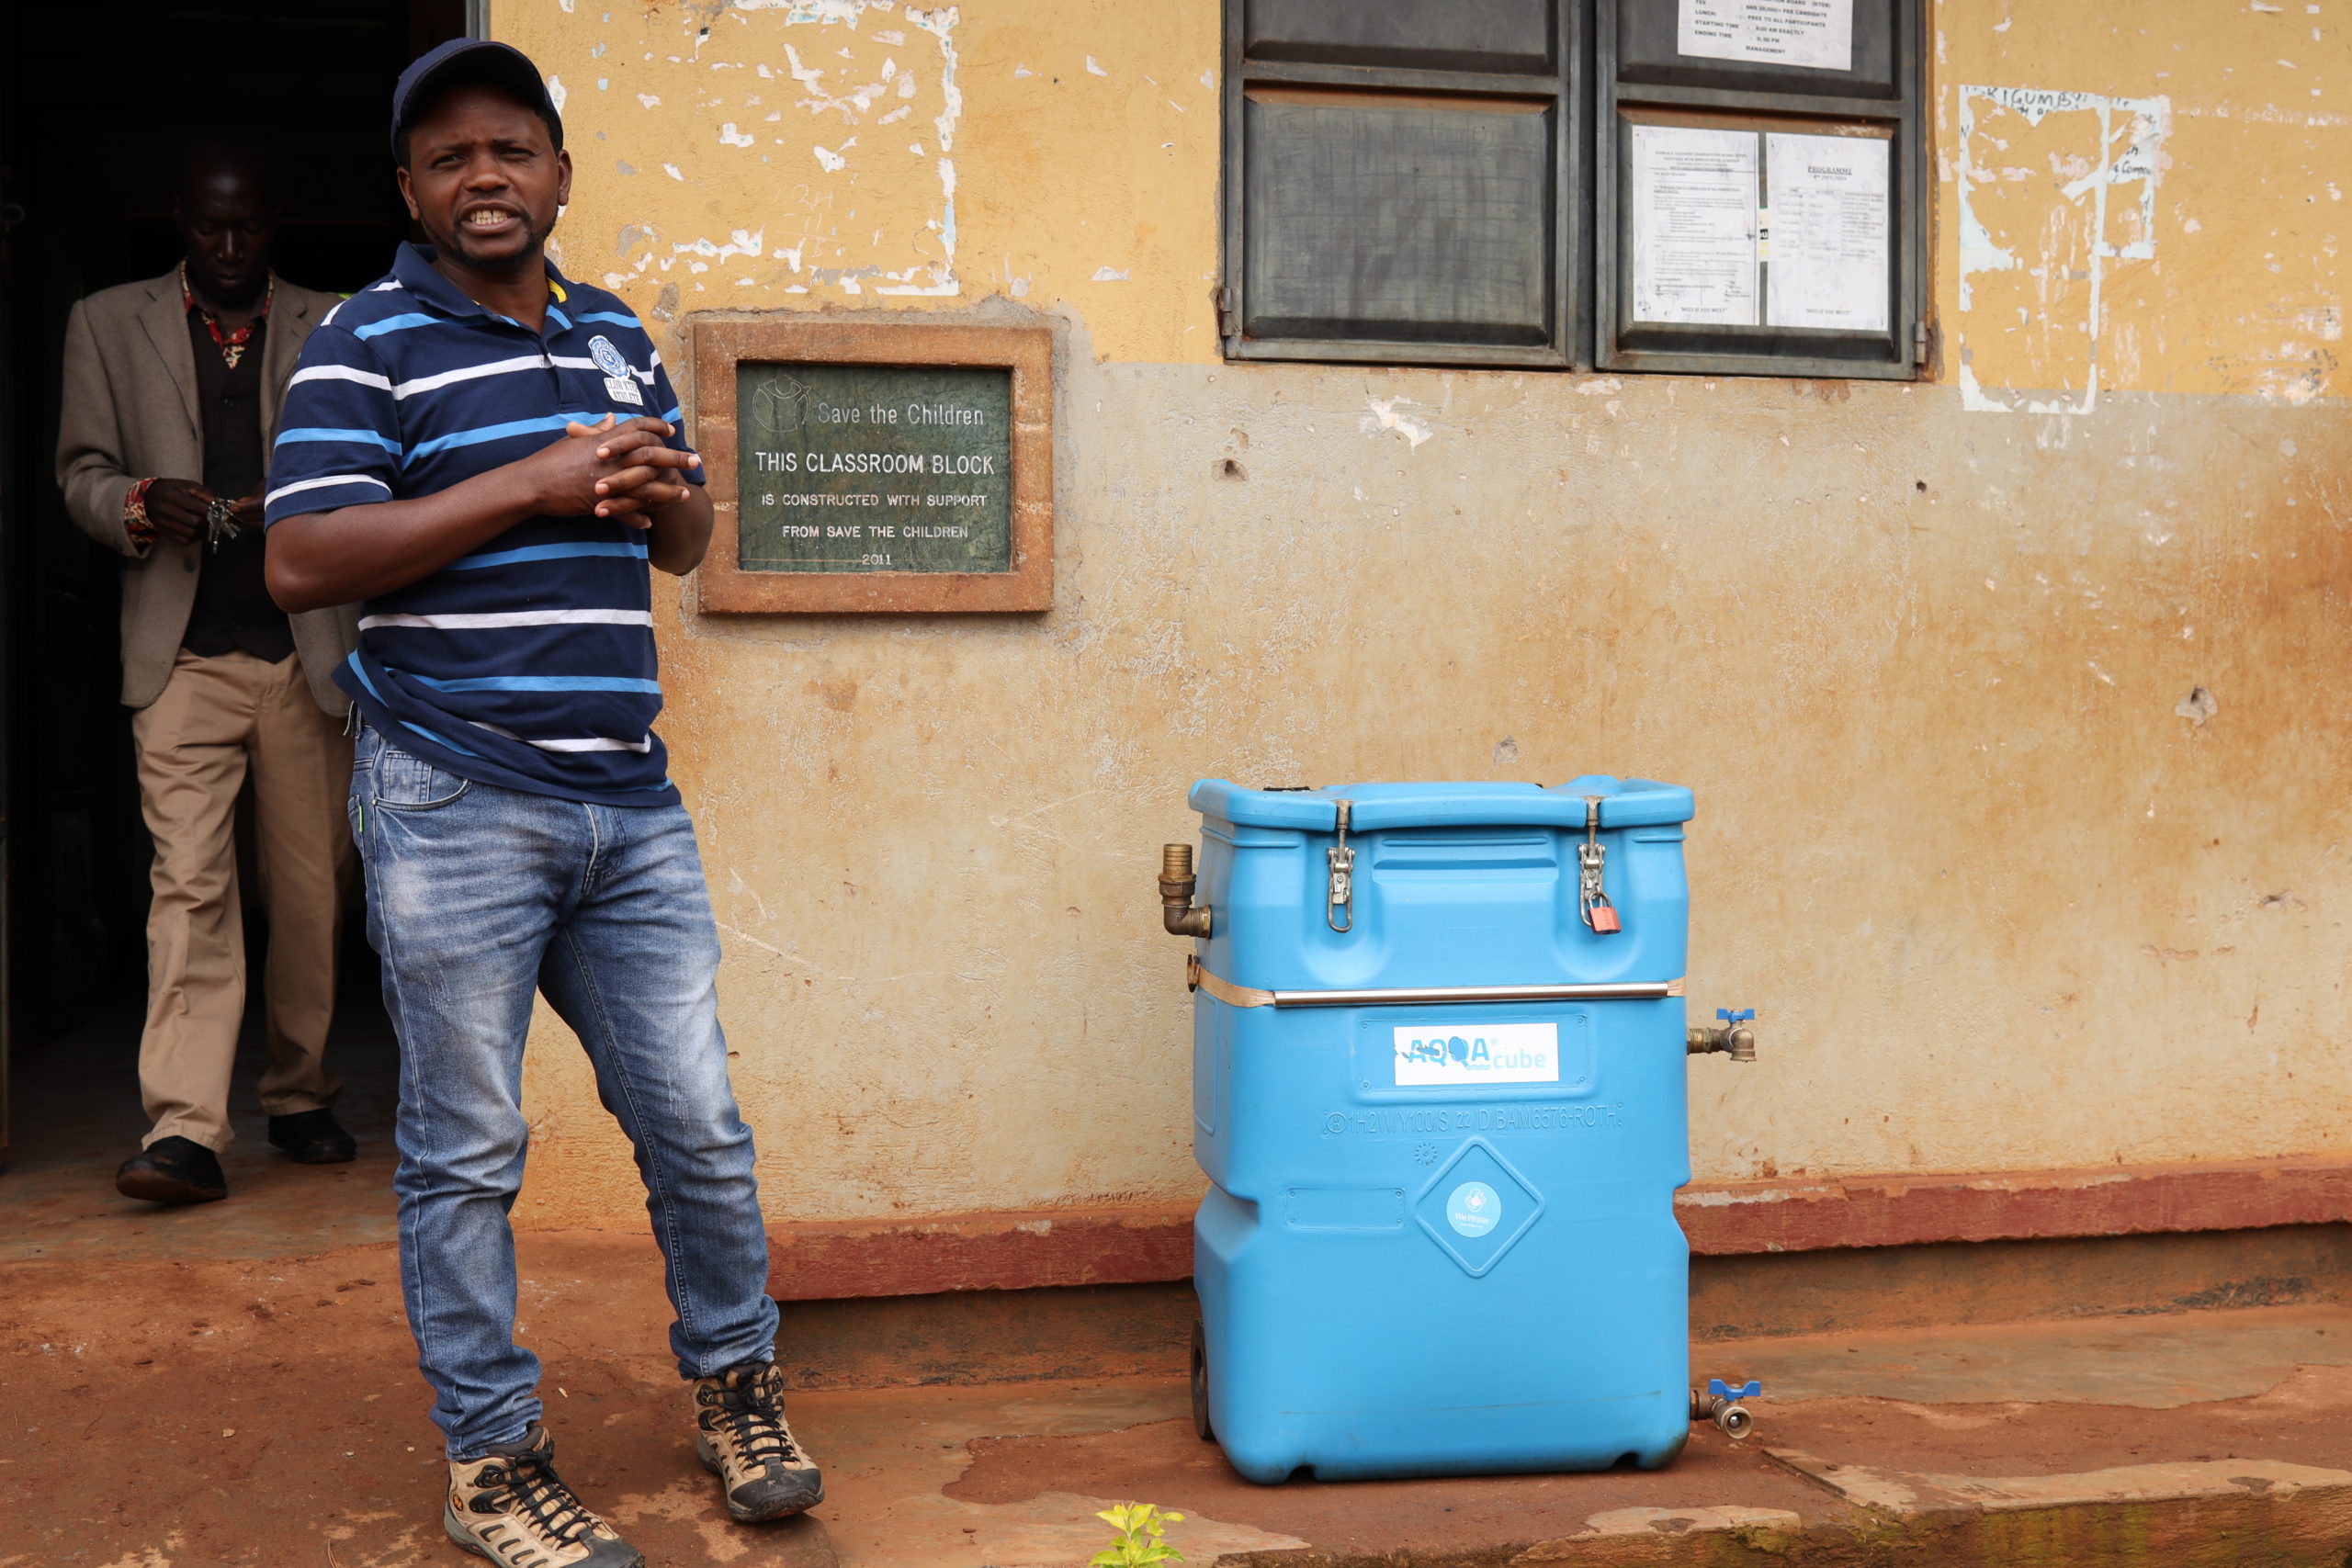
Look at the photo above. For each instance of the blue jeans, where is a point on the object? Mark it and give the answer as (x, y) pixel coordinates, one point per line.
(477, 898)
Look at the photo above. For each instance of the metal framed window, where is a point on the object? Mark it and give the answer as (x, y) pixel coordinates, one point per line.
(1546, 184)
(1823, 309)
(1401, 180)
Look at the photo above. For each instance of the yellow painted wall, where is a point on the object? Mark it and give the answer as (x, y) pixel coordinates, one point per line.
(2003, 898)
(2220, 273)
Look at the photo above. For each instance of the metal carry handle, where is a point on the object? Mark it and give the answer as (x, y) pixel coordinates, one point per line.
(1199, 977)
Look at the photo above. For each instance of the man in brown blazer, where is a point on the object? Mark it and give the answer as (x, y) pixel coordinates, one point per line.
(172, 392)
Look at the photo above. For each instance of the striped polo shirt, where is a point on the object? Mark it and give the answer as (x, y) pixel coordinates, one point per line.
(529, 663)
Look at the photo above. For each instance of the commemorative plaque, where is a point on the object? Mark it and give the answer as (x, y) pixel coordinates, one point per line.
(874, 464)
(856, 468)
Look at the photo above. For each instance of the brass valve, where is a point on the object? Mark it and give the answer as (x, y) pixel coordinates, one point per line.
(1176, 884)
(1719, 1402)
(1735, 1039)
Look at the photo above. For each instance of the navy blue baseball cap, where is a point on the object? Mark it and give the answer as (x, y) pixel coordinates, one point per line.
(471, 60)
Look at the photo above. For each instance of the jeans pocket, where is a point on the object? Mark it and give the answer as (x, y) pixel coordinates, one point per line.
(406, 782)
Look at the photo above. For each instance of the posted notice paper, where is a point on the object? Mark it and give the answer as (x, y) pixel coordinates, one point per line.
(1828, 235)
(1816, 34)
(1694, 208)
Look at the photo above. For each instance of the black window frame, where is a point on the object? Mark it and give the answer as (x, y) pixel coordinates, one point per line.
(1565, 89)
(1592, 96)
(1794, 101)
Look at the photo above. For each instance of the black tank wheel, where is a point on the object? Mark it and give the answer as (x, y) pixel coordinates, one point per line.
(1201, 1428)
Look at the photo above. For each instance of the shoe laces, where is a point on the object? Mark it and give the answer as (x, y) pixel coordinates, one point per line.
(751, 1411)
(527, 1484)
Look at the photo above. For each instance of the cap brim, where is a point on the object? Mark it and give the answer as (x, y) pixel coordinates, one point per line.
(482, 61)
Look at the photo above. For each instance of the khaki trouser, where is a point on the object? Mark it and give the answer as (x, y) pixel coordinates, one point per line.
(216, 718)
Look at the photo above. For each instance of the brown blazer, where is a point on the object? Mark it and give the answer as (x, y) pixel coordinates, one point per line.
(131, 413)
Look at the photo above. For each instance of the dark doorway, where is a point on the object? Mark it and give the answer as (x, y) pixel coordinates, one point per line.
(94, 107)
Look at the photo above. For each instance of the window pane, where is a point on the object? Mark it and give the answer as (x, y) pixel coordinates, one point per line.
(1400, 217)
(1647, 32)
(1458, 35)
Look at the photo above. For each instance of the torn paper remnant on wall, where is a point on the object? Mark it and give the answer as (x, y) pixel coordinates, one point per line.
(2053, 187)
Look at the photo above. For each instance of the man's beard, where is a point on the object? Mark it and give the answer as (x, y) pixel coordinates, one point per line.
(528, 256)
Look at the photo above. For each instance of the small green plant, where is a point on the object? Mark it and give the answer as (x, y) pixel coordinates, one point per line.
(1140, 1528)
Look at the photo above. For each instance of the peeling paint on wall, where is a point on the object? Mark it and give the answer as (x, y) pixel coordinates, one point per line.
(2035, 170)
(800, 111)
(845, 133)
(1388, 415)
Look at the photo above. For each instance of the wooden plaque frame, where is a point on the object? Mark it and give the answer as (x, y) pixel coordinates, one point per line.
(718, 345)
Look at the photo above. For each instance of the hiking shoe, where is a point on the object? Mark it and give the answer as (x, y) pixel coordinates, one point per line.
(743, 1440)
(510, 1507)
(313, 1137)
(173, 1170)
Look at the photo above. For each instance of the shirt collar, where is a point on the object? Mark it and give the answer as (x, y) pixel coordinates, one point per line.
(412, 267)
(261, 312)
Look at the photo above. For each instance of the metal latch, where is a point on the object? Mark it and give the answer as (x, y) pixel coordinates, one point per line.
(1343, 876)
(1592, 902)
(1227, 326)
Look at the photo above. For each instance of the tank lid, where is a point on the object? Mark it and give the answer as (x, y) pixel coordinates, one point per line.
(1624, 802)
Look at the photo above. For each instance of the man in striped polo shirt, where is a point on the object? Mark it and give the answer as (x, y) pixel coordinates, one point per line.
(487, 456)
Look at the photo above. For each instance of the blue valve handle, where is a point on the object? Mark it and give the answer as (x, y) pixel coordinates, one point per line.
(1742, 1016)
(1718, 1389)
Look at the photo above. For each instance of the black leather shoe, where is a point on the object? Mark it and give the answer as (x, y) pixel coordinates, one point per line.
(173, 1170)
(312, 1138)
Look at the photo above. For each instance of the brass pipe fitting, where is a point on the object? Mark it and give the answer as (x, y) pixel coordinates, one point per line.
(1735, 1038)
(1728, 1415)
(1737, 1042)
(1176, 884)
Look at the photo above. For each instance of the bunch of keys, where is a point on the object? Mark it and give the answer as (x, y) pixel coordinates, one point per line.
(219, 523)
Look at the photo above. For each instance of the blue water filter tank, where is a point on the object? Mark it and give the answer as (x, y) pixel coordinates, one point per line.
(1441, 1238)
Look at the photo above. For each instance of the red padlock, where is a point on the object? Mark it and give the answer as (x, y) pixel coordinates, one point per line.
(1602, 918)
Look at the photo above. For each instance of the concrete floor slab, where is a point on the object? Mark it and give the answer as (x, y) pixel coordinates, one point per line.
(891, 1456)
(264, 1411)
(242, 1375)
(77, 1118)
(1911, 1495)
(1675, 1529)
(2157, 1362)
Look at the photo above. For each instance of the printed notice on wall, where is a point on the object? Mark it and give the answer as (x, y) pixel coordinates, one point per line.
(1694, 210)
(1816, 34)
(1829, 238)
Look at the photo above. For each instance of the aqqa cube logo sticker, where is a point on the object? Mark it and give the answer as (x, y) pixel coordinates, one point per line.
(1439, 1054)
